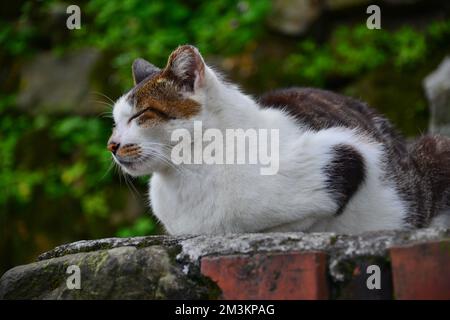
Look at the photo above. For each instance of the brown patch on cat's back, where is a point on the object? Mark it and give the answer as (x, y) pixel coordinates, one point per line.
(162, 94)
(321, 109)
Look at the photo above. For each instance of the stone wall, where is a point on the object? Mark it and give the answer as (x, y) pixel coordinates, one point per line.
(411, 265)
(437, 88)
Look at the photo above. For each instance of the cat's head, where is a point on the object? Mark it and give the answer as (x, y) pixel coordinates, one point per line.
(161, 101)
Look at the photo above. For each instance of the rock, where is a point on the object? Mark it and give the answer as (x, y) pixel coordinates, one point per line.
(402, 2)
(293, 17)
(437, 88)
(341, 4)
(124, 272)
(60, 84)
(163, 267)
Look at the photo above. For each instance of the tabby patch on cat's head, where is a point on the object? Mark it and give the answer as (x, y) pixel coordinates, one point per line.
(163, 95)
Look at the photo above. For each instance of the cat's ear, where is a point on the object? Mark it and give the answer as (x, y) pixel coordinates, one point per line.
(142, 69)
(187, 68)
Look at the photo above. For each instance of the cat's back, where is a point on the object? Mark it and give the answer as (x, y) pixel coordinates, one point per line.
(319, 109)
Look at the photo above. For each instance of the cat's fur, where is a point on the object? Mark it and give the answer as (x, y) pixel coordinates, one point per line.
(343, 168)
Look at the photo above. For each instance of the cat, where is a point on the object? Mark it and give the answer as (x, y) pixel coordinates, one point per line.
(342, 167)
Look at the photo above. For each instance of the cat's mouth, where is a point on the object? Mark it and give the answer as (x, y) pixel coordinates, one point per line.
(130, 164)
(139, 164)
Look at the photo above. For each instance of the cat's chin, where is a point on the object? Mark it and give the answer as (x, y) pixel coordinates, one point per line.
(141, 167)
(136, 171)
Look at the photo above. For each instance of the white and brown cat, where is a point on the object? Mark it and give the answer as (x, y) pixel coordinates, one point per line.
(342, 167)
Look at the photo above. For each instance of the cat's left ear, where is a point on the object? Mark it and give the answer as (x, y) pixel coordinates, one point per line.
(187, 67)
(142, 69)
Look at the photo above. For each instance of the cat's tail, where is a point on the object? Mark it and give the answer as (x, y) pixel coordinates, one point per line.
(430, 157)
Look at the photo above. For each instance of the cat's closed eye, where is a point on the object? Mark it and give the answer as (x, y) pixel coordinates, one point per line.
(150, 113)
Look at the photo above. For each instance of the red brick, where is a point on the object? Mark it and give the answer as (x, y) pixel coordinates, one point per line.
(421, 271)
(286, 276)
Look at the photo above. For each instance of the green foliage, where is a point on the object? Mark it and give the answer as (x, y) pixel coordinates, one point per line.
(411, 47)
(143, 226)
(134, 28)
(77, 167)
(351, 51)
(438, 31)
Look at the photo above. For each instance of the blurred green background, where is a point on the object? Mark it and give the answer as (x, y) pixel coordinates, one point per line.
(56, 180)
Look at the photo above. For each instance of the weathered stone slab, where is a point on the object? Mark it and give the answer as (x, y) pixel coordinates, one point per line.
(164, 267)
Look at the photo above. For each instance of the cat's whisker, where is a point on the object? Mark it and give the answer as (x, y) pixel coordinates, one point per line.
(129, 185)
(111, 165)
(118, 171)
(106, 114)
(163, 159)
(103, 102)
(109, 107)
(132, 187)
(150, 144)
(149, 152)
(105, 96)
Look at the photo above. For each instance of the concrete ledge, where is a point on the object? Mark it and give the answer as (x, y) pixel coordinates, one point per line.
(244, 266)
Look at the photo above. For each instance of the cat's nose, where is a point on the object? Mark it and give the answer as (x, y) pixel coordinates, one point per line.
(113, 146)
